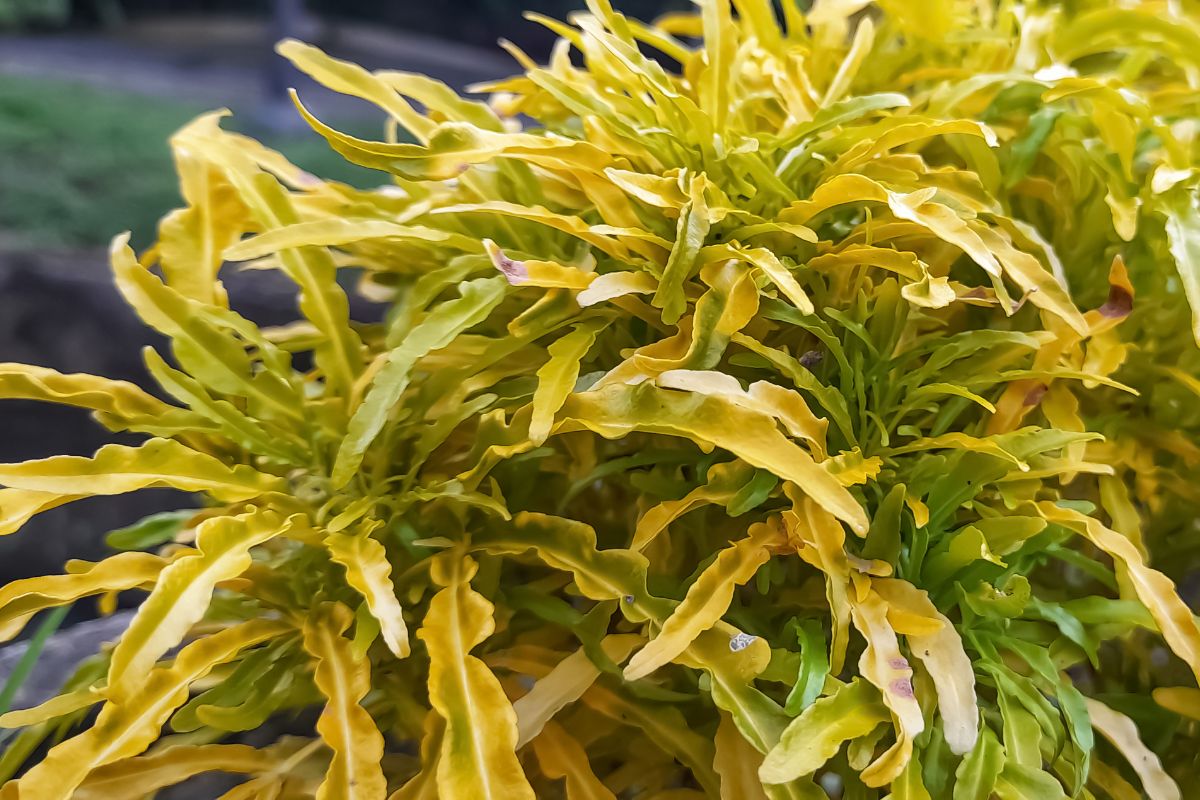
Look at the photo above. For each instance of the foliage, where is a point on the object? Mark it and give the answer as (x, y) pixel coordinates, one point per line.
(735, 429)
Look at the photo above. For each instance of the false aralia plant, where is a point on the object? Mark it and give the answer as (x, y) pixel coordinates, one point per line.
(771, 403)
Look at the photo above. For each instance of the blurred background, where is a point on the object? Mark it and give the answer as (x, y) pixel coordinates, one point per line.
(90, 90)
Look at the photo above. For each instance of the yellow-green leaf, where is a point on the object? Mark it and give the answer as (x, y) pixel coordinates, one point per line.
(478, 757)
(560, 756)
(615, 411)
(183, 591)
(117, 469)
(345, 726)
(1123, 734)
(556, 378)
(123, 730)
(707, 599)
(816, 735)
(369, 572)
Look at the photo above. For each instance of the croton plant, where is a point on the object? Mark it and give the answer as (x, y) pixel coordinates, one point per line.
(791, 402)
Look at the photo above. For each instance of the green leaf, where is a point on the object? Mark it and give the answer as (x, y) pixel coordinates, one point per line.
(438, 329)
(149, 531)
(818, 733)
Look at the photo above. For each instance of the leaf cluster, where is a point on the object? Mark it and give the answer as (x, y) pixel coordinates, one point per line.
(768, 405)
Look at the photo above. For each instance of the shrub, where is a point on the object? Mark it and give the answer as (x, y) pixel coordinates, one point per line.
(734, 403)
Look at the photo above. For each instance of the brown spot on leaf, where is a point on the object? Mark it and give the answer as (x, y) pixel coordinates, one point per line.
(513, 271)
(1119, 304)
(902, 687)
(1035, 395)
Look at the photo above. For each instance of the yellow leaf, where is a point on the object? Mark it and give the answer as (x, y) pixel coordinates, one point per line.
(616, 284)
(335, 231)
(345, 726)
(478, 757)
(119, 400)
(556, 378)
(322, 299)
(117, 469)
(942, 653)
(707, 599)
(21, 599)
(765, 397)
(140, 777)
(18, 506)
(560, 756)
(123, 730)
(822, 544)
(563, 685)
(1183, 700)
(1156, 591)
(737, 764)
(817, 734)
(347, 78)
(55, 707)
(885, 666)
(545, 274)
(1123, 734)
(724, 482)
(860, 48)
(779, 275)
(617, 410)
(190, 240)
(368, 571)
(183, 591)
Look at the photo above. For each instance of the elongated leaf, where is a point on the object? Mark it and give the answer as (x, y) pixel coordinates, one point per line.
(556, 379)
(190, 240)
(814, 667)
(118, 399)
(707, 599)
(885, 666)
(136, 778)
(334, 231)
(125, 730)
(617, 410)
(322, 300)
(737, 763)
(18, 506)
(57, 706)
(116, 469)
(369, 572)
(478, 756)
(560, 756)
(1156, 591)
(202, 336)
(690, 233)
(344, 725)
(183, 592)
(443, 324)
(1123, 734)
(565, 684)
(1183, 233)
(818, 733)
(945, 660)
(976, 774)
(21, 599)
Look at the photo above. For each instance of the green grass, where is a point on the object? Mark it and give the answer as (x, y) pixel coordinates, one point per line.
(80, 163)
